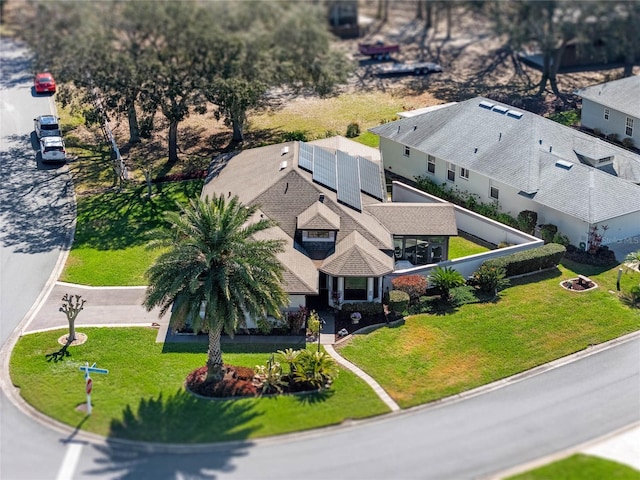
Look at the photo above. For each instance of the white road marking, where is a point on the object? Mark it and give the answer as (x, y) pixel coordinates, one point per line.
(70, 462)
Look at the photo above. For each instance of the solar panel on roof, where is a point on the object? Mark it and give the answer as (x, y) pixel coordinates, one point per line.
(348, 181)
(324, 167)
(305, 157)
(371, 179)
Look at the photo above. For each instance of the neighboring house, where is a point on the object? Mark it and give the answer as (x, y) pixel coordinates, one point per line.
(613, 108)
(523, 162)
(341, 235)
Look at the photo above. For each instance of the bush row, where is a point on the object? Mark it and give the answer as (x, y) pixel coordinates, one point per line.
(519, 263)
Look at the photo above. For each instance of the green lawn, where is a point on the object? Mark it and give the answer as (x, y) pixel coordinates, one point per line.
(535, 321)
(142, 397)
(581, 467)
(109, 248)
(461, 247)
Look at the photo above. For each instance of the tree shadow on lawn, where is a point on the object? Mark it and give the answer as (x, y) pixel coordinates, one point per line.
(179, 418)
(183, 418)
(113, 221)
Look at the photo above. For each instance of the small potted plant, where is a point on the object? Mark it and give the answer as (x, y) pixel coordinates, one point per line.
(356, 317)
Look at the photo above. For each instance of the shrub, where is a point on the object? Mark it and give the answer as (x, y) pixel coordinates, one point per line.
(597, 132)
(444, 279)
(561, 239)
(313, 323)
(316, 369)
(423, 305)
(528, 261)
(414, 285)
(269, 377)
(632, 297)
(490, 279)
(296, 135)
(398, 301)
(366, 308)
(353, 130)
(295, 320)
(527, 221)
(603, 257)
(548, 231)
(627, 142)
(461, 295)
(613, 137)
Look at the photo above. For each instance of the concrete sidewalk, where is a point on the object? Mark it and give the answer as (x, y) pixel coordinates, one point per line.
(105, 306)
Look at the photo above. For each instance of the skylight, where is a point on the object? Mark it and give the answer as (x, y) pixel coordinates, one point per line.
(514, 114)
(487, 105)
(564, 164)
(500, 109)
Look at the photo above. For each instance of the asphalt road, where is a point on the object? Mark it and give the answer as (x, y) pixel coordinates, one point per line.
(35, 216)
(475, 437)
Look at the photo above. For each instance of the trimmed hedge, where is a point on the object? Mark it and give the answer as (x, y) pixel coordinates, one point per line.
(529, 261)
(398, 301)
(365, 308)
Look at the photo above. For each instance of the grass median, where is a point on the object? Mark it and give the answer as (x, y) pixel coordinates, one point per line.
(142, 396)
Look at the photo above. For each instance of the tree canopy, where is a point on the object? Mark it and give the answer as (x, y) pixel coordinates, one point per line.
(176, 57)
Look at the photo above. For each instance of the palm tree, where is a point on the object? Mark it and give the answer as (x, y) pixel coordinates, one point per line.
(445, 279)
(214, 272)
(633, 259)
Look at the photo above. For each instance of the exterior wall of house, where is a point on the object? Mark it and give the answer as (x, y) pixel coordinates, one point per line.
(592, 116)
(509, 199)
(466, 220)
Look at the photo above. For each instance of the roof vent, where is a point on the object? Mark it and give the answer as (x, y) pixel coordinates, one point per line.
(321, 198)
(285, 150)
(485, 104)
(514, 114)
(283, 165)
(415, 127)
(500, 109)
(564, 164)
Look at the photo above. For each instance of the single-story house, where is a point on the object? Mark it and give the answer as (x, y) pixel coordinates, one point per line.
(341, 234)
(613, 108)
(520, 161)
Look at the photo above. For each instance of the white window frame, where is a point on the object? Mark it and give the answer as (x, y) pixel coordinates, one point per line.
(493, 189)
(629, 127)
(606, 113)
(407, 151)
(464, 173)
(451, 172)
(431, 164)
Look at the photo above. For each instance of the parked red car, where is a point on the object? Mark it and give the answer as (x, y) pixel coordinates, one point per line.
(44, 83)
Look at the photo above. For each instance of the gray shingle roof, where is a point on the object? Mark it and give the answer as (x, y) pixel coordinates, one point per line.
(415, 219)
(356, 257)
(522, 152)
(318, 217)
(269, 177)
(622, 95)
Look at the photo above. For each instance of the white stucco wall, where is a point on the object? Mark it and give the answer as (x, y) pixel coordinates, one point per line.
(509, 200)
(592, 116)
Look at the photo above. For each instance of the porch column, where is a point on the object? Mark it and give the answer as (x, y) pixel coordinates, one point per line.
(369, 289)
(341, 288)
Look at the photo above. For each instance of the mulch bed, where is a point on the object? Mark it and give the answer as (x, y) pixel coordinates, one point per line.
(237, 382)
(343, 321)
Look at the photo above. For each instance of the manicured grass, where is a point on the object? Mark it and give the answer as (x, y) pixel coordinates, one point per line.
(142, 397)
(581, 467)
(461, 247)
(535, 321)
(109, 245)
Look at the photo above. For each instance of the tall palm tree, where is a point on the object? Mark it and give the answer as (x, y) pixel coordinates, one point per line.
(214, 272)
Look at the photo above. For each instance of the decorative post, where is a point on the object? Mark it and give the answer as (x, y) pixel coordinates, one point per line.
(618, 280)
